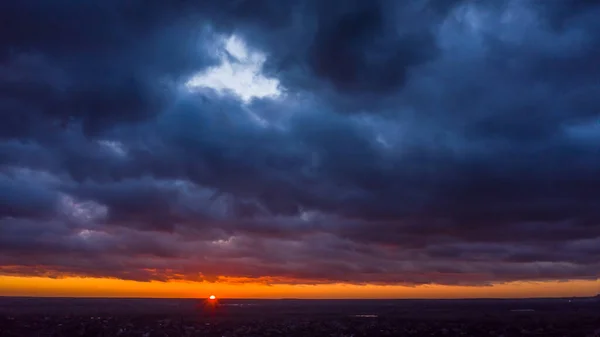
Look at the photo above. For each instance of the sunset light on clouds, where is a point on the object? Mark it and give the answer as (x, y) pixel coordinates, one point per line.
(303, 148)
(94, 287)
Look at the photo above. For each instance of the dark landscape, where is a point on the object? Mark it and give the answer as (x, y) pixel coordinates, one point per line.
(25, 317)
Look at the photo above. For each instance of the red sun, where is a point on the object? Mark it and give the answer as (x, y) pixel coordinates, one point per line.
(212, 297)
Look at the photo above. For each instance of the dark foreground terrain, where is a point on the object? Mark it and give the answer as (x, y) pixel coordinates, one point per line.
(24, 317)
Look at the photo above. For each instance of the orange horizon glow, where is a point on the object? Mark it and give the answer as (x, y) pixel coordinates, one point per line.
(101, 287)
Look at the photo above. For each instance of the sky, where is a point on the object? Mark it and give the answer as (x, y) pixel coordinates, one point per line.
(301, 148)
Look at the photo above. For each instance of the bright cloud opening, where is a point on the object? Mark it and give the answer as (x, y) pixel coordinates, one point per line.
(240, 73)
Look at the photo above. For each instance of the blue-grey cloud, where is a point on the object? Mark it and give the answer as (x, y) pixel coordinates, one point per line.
(448, 142)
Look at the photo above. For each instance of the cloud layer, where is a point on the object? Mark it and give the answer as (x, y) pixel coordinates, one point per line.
(394, 142)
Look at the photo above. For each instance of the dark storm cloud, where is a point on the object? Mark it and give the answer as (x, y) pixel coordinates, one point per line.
(470, 156)
(21, 197)
(352, 52)
(82, 62)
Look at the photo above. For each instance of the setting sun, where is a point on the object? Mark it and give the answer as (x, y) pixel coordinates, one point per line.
(212, 297)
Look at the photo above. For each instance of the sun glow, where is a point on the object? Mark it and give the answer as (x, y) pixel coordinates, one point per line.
(212, 297)
(97, 287)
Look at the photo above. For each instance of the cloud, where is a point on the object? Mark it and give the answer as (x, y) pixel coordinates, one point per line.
(300, 141)
(239, 73)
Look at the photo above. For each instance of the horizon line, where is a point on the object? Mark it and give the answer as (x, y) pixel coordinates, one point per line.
(304, 299)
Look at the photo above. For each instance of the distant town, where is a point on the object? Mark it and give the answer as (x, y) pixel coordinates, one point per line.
(25, 317)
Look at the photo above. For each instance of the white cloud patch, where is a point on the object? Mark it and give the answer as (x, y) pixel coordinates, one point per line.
(240, 73)
(83, 212)
(114, 147)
